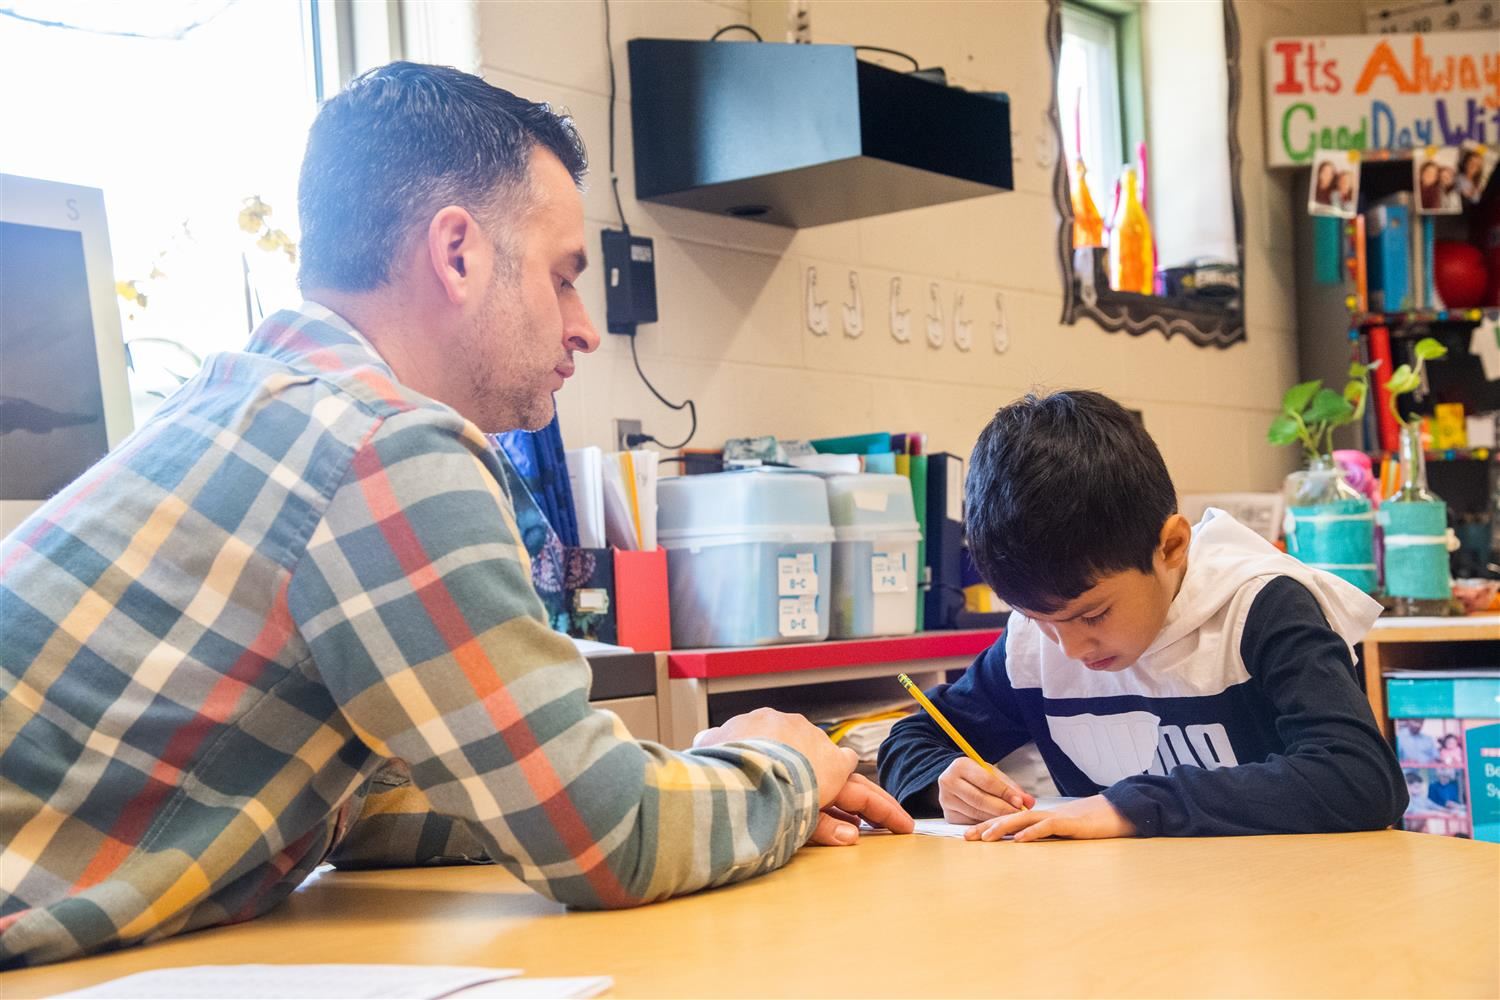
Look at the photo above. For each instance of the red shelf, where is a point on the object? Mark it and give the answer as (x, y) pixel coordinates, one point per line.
(740, 662)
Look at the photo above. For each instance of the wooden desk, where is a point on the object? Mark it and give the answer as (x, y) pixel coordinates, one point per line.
(1415, 643)
(1353, 915)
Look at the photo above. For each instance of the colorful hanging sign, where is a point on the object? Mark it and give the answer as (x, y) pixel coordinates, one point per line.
(1380, 92)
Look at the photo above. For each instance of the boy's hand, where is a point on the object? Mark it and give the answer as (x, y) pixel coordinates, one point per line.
(969, 793)
(1092, 818)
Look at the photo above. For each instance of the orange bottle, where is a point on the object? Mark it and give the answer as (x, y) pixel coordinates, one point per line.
(1088, 224)
(1131, 252)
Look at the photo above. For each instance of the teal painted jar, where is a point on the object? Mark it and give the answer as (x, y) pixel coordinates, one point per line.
(1415, 543)
(1330, 525)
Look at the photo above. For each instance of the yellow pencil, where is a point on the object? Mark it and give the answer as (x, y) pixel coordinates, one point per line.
(939, 718)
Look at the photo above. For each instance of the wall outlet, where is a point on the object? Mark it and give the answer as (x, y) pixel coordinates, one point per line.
(623, 429)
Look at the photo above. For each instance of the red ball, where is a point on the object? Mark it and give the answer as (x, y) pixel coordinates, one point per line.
(1460, 273)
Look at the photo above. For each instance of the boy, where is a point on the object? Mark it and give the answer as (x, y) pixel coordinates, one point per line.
(1180, 680)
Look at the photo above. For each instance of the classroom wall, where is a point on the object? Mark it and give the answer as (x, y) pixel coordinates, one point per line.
(732, 333)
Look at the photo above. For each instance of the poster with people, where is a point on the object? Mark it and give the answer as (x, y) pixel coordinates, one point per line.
(1435, 181)
(1476, 162)
(1334, 189)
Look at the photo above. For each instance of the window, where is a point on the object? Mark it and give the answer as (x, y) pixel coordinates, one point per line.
(1089, 97)
(181, 111)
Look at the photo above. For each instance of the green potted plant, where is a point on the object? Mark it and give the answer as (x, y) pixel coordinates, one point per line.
(1414, 520)
(1328, 523)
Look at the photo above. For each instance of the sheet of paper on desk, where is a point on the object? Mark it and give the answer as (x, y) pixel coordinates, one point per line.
(527, 988)
(273, 982)
(939, 828)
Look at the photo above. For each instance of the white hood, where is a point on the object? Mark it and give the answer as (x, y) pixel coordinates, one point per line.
(1197, 651)
(1225, 555)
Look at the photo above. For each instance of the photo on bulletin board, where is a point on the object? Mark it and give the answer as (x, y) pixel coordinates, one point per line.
(1434, 175)
(1476, 162)
(1334, 189)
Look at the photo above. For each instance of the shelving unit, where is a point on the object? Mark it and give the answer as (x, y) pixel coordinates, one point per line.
(1425, 643)
(706, 683)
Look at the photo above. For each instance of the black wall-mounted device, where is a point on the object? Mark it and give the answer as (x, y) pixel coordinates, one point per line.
(629, 281)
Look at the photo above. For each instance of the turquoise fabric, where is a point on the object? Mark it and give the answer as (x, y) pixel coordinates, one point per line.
(1338, 538)
(1416, 549)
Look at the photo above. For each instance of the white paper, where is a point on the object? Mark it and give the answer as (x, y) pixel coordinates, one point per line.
(537, 989)
(589, 647)
(646, 472)
(955, 490)
(619, 525)
(274, 982)
(940, 828)
(586, 477)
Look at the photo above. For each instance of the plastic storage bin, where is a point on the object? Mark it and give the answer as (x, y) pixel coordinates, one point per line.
(749, 558)
(875, 571)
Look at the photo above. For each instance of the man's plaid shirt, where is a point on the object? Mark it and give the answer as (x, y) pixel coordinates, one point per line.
(298, 574)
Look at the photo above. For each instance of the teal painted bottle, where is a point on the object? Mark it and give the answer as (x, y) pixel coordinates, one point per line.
(1329, 524)
(1415, 522)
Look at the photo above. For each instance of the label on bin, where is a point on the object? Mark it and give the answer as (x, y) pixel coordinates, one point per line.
(799, 615)
(888, 574)
(796, 576)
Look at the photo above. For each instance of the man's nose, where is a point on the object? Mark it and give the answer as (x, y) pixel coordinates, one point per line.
(578, 330)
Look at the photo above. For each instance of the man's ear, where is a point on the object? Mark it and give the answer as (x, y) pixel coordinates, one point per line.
(454, 248)
(1176, 536)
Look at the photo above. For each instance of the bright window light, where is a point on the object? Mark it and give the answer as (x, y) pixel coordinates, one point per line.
(1088, 98)
(179, 110)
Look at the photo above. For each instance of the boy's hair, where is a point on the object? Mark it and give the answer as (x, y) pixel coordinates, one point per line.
(1062, 490)
(401, 142)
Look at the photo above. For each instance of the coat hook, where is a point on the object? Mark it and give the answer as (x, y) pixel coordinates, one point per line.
(963, 329)
(900, 318)
(1000, 329)
(817, 312)
(854, 312)
(935, 333)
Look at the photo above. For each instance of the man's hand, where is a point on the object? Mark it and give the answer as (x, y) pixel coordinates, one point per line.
(1092, 818)
(843, 795)
(969, 793)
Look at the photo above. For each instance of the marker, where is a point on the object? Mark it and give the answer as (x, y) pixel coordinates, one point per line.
(953, 734)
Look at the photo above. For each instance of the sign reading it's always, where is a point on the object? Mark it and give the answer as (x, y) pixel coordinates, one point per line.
(1380, 92)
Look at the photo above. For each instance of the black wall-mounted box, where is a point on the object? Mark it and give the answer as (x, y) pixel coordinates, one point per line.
(802, 135)
(629, 281)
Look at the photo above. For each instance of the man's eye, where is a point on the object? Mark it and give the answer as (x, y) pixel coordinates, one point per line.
(1096, 619)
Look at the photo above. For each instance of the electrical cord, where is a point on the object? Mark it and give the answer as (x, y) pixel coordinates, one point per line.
(732, 27)
(890, 52)
(614, 179)
(691, 407)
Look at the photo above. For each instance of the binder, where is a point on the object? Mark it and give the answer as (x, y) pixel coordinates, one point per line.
(944, 533)
(1380, 350)
(918, 466)
(1390, 258)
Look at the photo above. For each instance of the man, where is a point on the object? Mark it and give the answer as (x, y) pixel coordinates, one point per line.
(290, 619)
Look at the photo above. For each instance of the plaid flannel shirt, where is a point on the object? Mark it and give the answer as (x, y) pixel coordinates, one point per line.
(290, 619)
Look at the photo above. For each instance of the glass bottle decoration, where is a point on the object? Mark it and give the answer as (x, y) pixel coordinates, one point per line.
(1416, 536)
(1329, 525)
(1130, 246)
(1088, 224)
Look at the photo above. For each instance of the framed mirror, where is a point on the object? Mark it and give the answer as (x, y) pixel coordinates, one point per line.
(1133, 79)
